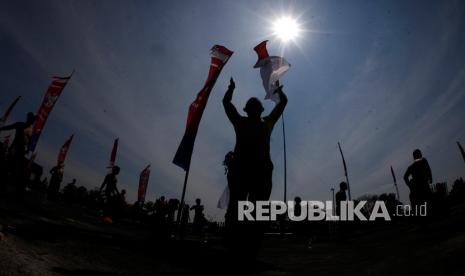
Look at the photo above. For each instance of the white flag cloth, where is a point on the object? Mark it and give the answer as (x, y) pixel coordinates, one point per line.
(223, 202)
(271, 70)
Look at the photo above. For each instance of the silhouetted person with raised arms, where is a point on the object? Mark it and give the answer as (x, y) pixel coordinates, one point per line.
(418, 178)
(252, 164)
(341, 196)
(53, 190)
(19, 147)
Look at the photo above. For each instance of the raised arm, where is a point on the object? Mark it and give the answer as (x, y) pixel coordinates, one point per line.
(229, 108)
(9, 127)
(279, 107)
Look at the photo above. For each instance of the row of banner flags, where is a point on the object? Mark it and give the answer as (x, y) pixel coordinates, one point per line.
(272, 68)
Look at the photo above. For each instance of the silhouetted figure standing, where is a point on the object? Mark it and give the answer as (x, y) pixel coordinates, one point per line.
(252, 162)
(418, 178)
(199, 218)
(17, 150)
(53, 190)
(252, 168)
(111, 191)
(341, 196)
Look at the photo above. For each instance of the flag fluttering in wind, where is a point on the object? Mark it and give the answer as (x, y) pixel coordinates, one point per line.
(143, 182)
(113, 153)
(219, 57)
(8, 111)
(50, 98)
(272, 68)
(64, 150)
(345, 170)
(395, 183)
(461, 150)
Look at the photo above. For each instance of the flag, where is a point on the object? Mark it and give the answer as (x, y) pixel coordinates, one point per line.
(143, 182)
(50, 98)
(395, 183)
(345, 169)
(113, 153)
(64, 150)
(8, 111)
(219, 57)
(461, 150)
(272, 68)
(393, 176)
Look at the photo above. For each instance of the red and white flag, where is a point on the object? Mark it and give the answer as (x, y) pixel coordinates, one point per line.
(219, 57)
(113, 153)
(272, 68)
(143, 182)
(8, 111)
(50, 98)
(64, 150)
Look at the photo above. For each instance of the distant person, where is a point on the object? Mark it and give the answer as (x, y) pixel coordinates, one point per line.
(108, 186)
(53, 190)
(199, 217)
(418, 177)
(252, 163)
(111, 193)
(23, 133)
(341, 196)
(297, 206)
(16, 161)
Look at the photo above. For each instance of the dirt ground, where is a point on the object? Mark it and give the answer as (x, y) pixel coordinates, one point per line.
(44, 241)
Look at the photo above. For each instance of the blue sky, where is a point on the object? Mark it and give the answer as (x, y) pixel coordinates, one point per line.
(381, 77)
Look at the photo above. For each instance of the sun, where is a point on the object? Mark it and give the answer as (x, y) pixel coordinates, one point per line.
(286, 28)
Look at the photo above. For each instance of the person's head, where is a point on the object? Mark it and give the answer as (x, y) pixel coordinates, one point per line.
(115, 170)
(297, 199)
(253, 108)
(30, 118)
(61, 164)
(417, 154)
(74, 180)
(343, 186)
(162, 198)
(123, 191)
(197, 201)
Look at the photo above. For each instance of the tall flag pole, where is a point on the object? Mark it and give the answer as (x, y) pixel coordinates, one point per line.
(50, 98)
(8, 111)
(114, 150)
(395, 183)
(345, 170)
(143, 182)
(461, 150)
(219, 57)
(272, 68)
(64, 150)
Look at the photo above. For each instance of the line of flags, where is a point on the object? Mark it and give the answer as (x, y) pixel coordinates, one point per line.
(272, 68)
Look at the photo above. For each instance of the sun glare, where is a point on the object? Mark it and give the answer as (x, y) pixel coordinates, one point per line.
(286, 29)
